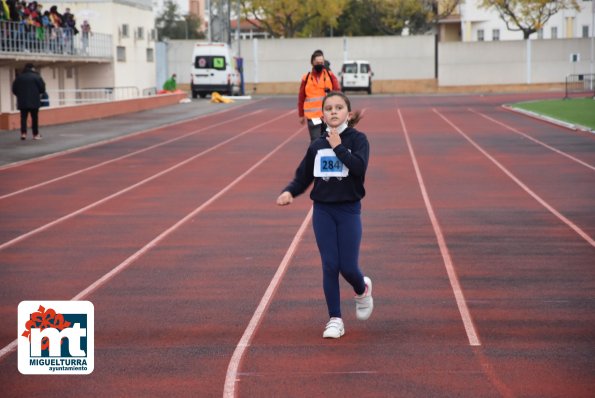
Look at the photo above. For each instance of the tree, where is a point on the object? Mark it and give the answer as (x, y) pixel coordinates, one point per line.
(391, 17)
(171, 24)
(528, 16)
(290, 18)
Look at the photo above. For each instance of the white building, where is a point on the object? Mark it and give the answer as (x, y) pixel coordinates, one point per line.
(120, 53)
(470, 22)
(132, 26)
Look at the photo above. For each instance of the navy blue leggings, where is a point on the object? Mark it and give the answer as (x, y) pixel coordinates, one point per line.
(338, 230)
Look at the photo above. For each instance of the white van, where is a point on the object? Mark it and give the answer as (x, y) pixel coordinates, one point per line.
(356, 75)
(213, 69)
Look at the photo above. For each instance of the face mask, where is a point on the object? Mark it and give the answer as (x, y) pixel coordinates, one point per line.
(318, 68)
(340, 128)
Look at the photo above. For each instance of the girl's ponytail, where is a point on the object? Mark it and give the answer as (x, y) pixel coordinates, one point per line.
(355, 118)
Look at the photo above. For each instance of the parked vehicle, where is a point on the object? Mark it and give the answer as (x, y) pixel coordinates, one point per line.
(213, 69)
(356, 75)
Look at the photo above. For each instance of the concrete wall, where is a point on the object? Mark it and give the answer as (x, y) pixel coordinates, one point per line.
(404, 64)
(505, 62)
(391, 57)
(69, 114)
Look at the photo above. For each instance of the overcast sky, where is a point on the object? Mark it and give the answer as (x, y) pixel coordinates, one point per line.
(182, 6)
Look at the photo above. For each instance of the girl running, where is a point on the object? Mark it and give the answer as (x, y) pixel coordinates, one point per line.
(337, 163)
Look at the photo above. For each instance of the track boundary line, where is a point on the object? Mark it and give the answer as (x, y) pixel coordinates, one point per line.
(153, 243)
(448, 263)
(109, 140)
(541, 201)
(123, 156)
(513, 129)
(131, 187)
(263, 305)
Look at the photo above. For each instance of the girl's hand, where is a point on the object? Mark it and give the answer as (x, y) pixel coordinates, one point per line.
(285, 198)
(333, 138)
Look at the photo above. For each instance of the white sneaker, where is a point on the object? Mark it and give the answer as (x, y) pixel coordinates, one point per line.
(334, 329)
(364, 304)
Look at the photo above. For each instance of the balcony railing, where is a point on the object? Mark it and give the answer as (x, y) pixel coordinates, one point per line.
(23, 38)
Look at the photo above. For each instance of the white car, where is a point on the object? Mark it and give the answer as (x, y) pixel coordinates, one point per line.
(213, 69)
(356, 75)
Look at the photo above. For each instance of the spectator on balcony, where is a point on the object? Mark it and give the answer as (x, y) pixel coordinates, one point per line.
(86, 33)
(28, 87)
(34, 29)
(70, 30)
(56, 36)
(4, 11)
(9, 34)
(47, 29)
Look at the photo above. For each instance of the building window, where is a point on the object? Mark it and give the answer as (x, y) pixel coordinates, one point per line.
(496, 34)
(150, 55)
(140, 32)
(124, 31)
(121, 53)
(585, 31)
(480, 35)
(554, 32)
(540, 33)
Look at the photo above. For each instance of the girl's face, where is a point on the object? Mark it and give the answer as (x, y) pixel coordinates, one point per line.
(335, 111)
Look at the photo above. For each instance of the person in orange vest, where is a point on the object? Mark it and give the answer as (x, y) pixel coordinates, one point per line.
(315, 85)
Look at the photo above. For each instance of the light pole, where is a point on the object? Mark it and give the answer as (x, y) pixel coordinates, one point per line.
(209, 28)
(592, 40)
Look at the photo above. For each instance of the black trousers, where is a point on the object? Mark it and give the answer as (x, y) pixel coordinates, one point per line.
(315, 130)
(34, 120)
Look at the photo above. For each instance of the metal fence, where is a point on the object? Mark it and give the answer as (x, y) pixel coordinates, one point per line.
(21, 37)
(580, 84)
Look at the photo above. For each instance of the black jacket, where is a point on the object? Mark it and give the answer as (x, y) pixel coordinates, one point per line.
(28, 86)
(353, 151)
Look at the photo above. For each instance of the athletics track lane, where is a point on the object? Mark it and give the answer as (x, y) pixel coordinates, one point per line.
(185, 288)
(528, 280)
(414, 344)
(418, 346)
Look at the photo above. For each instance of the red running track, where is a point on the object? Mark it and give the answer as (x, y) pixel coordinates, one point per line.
(478, 234)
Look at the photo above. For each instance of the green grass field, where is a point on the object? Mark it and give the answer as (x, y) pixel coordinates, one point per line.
(579, 111)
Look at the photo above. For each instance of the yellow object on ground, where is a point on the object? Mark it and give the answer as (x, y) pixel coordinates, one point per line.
(218, 98)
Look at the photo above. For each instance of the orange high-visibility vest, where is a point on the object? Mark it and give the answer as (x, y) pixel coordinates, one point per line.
(315, 93)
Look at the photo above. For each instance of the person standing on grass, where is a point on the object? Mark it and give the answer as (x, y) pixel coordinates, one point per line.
(337, 163)
(315, 85)
(28, 88)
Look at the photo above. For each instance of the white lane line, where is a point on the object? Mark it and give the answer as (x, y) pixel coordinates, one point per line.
(234, 364)
(113, 139)
(450, 269)
(124, 156)
(565, 220)
(506, 126)
(131, 187)
(126, 263)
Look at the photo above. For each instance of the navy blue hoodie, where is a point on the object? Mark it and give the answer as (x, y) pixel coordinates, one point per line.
(353, 151)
